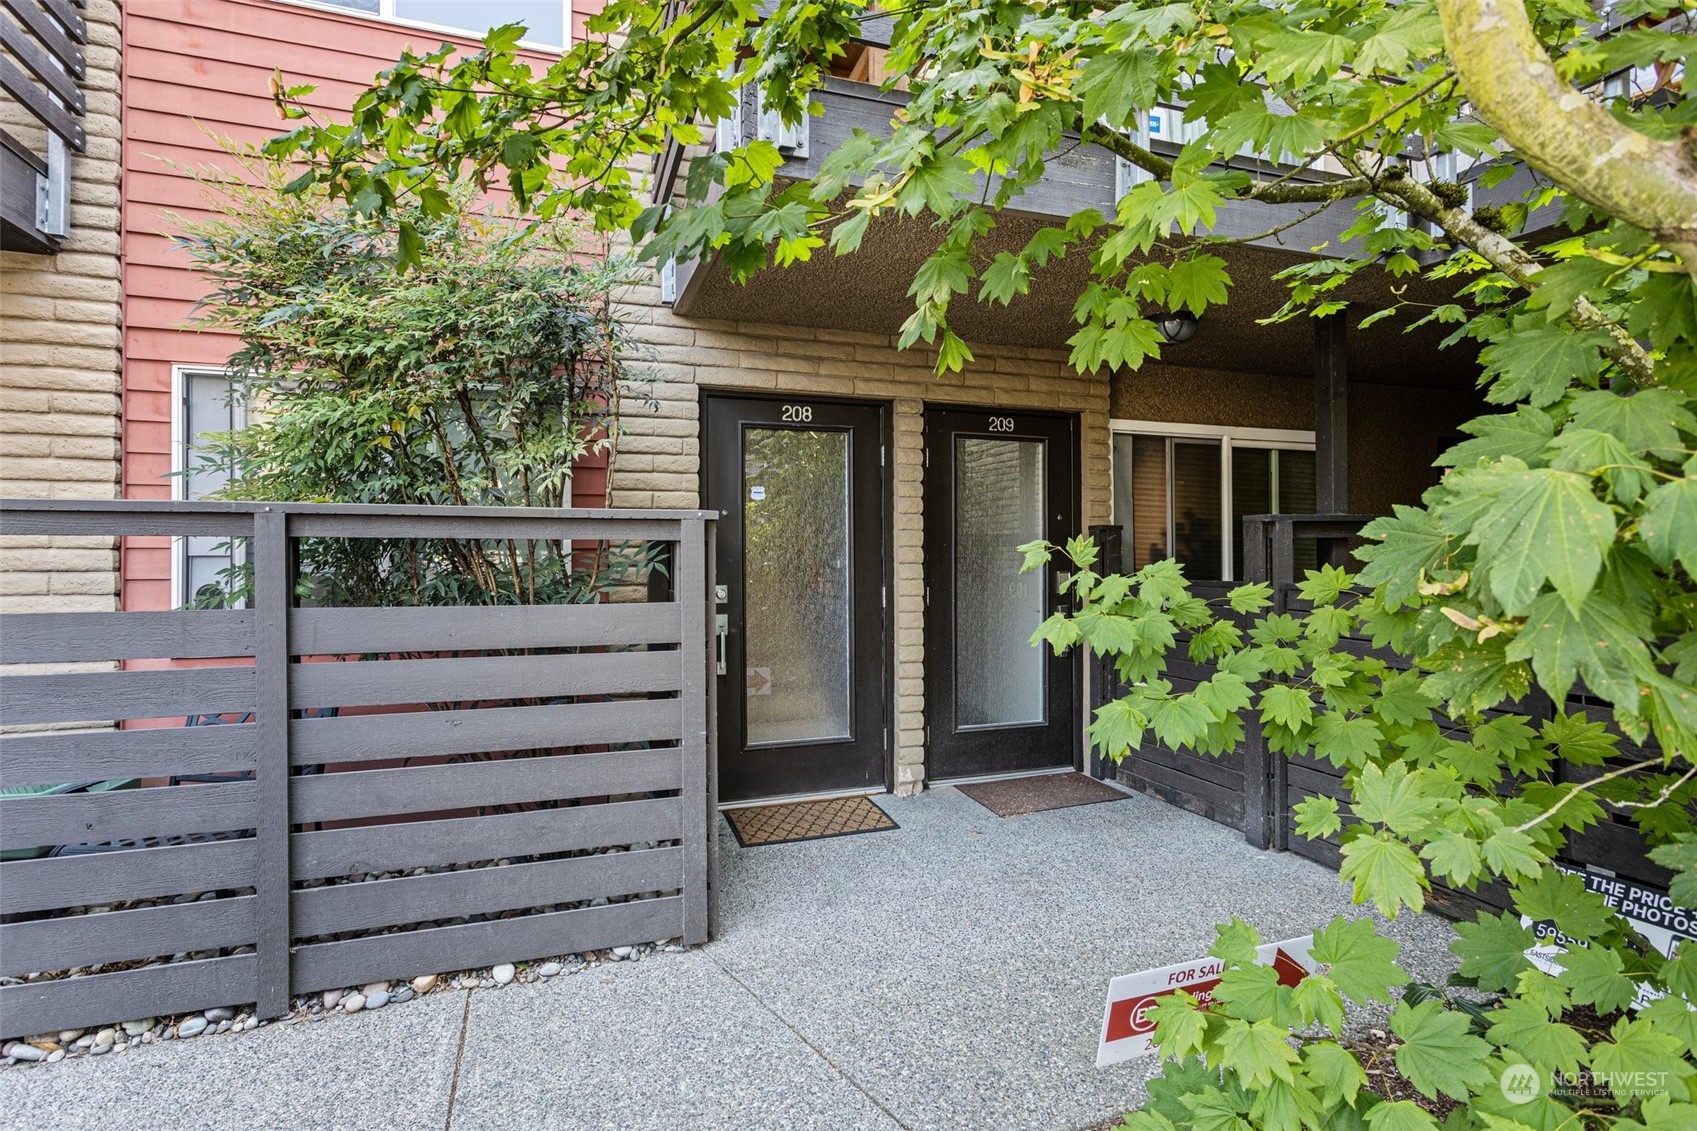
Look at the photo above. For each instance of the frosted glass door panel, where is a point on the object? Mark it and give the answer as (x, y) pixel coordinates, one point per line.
(998, 508)
(797, 584)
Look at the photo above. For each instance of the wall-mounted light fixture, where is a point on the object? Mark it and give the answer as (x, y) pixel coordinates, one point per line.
(1175, 325)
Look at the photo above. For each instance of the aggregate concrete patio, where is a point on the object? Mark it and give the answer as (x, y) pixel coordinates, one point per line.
(949, 974)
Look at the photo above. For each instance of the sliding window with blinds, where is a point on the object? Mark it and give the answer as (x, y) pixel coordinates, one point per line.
(1184, 496)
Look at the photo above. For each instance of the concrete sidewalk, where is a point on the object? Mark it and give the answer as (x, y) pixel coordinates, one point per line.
(949, 974)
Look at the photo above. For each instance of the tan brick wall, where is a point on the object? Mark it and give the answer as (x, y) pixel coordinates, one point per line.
(59, 358)
(659, 452)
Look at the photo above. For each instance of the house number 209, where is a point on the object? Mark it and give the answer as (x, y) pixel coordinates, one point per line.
(798, 412)
(1001, 424)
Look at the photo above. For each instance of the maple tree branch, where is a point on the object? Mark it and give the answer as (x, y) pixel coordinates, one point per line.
(1651, 183)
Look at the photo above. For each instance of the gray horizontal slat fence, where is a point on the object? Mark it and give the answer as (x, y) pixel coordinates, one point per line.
(191, 634)
(363, 738)
(77, 697)
(394, 791)
(385, 903)
(376, 683)
(42, 759)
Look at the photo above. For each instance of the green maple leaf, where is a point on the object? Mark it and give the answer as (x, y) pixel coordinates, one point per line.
(1493, 949)
(1402, 699)
(1438, 1053)
(1512, 855)
(1346, 742)
(1401, 549)
(1317, 816)
(1585, 450)
(1410, 32)
(1528, 1030)
(1180, 1026)
(1214, 1110)
(1118, 727)
(1117, 85)
(1007, 276)
(1576, 739)
(1386, 872)
(1257, 1053)
(1592, 976)
(1253, 993)
(1536, 363)
(1544, 525)
(1523, 434)
(1235, 942)
(1634, 1046)
(1180, 722)
(1558, 287)
(936, 185)
(1318, 1001)
(1669, 524)
(1391, 797)
(1281, 1103)
(1650, 420)
(1360, 962)
(1673, 1016)
(1335, 1069)
(1454, 857)
(1250, 597)
(1681, 857)
(1287, 706)
(1603, 641)
(1401, 1115)
(1301, 55)
(1560, 898)
(1197, 282)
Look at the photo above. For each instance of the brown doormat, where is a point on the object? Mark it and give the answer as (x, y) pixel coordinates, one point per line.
(1015, 797)
(807, 820)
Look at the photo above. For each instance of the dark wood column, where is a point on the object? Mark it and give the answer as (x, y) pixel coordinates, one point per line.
(1331, 415)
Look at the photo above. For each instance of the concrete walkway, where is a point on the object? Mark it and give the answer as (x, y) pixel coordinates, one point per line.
(949, 974)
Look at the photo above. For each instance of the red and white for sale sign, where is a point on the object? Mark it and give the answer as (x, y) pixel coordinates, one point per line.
(1128, 1030)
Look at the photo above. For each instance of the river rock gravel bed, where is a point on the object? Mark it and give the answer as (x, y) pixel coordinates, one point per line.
(71, 1044)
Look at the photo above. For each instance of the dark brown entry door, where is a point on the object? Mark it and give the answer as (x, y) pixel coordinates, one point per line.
(803, 683)
(995, 480)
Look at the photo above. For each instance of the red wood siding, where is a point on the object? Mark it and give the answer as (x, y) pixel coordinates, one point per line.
(194, 67)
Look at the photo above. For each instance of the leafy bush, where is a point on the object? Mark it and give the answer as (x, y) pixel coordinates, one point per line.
(479, 378)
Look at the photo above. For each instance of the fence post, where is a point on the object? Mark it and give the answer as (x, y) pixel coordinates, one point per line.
(1104, 680)
(1259, 794)
(273, 590)
(711, 805)
(693, 598)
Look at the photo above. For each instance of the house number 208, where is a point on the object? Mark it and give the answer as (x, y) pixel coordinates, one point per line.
(1001, 424)
(798, 412)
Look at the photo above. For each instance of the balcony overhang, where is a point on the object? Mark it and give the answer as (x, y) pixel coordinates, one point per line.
(867, 292)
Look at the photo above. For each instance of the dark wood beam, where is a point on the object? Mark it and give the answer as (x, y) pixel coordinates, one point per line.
(19, 169)
(1331, 415)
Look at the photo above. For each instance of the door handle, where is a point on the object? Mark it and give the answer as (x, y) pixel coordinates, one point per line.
(721, 627)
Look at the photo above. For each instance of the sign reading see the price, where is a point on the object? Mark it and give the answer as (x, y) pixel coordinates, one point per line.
(1128, 1029)
(1664, 924)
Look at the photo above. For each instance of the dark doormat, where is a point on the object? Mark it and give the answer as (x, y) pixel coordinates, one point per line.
(1015, 797)
(807, 820)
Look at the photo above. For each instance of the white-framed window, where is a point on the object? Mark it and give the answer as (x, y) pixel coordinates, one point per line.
(202, 401)
(548, 23)
(1182, 490)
